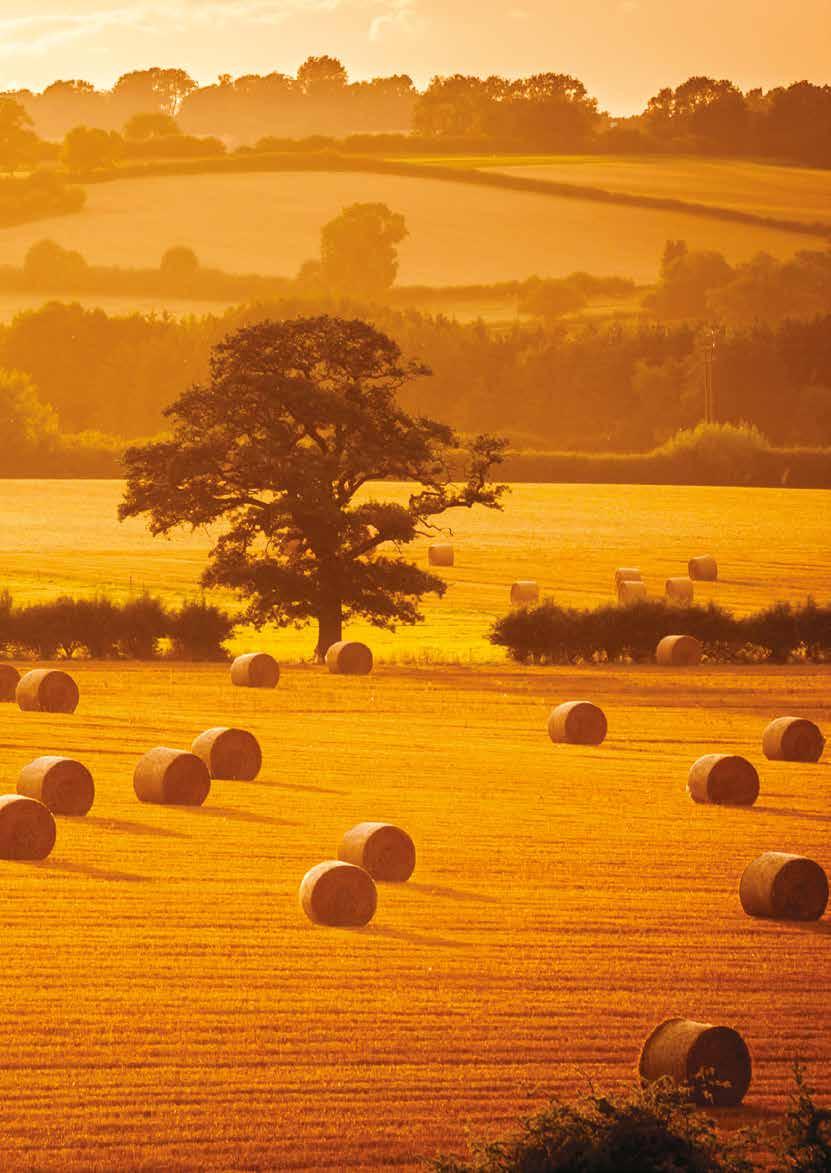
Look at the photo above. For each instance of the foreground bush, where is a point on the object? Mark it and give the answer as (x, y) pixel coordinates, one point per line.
(549, 634)
(653, 1129)
(105, 630)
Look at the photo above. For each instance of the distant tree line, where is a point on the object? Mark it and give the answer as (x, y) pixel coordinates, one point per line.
(565, 385)
(50, 268)
(545, 112)
(763, 290)
(103, 629)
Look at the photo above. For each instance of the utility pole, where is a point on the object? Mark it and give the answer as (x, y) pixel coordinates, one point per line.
(709, 354)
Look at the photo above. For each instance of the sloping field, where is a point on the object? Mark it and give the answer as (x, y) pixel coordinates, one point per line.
(167, 1006)
(270, 223)
(62, 536)
(792, 193)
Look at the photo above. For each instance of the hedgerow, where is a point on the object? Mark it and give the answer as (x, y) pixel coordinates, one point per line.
(102, 629)
(550, 634)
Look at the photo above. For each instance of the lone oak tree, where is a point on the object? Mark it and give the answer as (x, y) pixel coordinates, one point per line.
(297, 416)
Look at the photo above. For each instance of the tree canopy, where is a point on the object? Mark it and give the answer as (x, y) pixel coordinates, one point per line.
(296, 419)
(358, 254)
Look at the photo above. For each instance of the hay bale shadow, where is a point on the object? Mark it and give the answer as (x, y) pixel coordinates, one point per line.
(126, 827)
(93, 873)
(791, 813)
(294, 786)
(448, 893)
(238, 816)
(416, 938)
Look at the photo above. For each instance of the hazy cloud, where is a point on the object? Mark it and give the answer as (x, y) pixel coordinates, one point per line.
(401, 16)
(37, 33)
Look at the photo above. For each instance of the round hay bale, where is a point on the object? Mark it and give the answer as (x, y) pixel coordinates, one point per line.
(578, 723)
(524, 591)
(338, 894)
(723, 779)
(712, 1061)
(349, 658)
(233, 754)
(440, 554)
(630, 590)
(255, 670)
(385, 851)
(784, 887)
(47, 690)
(61, 784)
(627, 574)
(9, 676)
(678, 651)
(173, 777)
(792, 739)
(679, 591)
(703, 569)
(27, 828)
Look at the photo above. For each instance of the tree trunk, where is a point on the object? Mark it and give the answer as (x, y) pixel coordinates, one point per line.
(329, 630)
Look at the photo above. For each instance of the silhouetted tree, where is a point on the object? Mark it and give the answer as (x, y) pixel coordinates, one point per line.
(152, 91)
(297, 417)
(144, 126)
(25, 420)
(358, 253)
(18, 142)
(90, 149)
(321, 76)
(48, 265)
(179, 263)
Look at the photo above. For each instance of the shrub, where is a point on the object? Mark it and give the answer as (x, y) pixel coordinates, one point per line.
(728, 453)
(652, 1130)
(197, 631)
(549, 634)
(103, 629)
(97, 623)
(41, 194)
(143, 623)
(805, 1142)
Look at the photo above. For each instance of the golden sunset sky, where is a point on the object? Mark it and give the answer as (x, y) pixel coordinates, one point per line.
(624, 50)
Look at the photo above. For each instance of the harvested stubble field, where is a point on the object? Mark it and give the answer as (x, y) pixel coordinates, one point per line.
(167, 1006)
(63, 537)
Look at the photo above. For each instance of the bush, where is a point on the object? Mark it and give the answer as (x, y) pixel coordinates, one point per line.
(805, 1143)
(728, 453)
(103, 629)
(652, 1130)
(549, 634)
(41, 194)
(197, 631)
(144, 622)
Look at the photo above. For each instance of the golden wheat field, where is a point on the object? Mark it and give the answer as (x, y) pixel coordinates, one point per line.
(771, 544)
(270, 223)
(167, 1005)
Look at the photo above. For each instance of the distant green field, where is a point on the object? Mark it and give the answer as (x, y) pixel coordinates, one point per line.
(766, 189)
(270, 223)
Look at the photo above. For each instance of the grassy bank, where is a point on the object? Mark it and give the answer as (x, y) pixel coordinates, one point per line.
(707, 455)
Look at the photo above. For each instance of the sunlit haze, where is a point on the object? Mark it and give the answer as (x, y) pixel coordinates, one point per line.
(624, 50)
